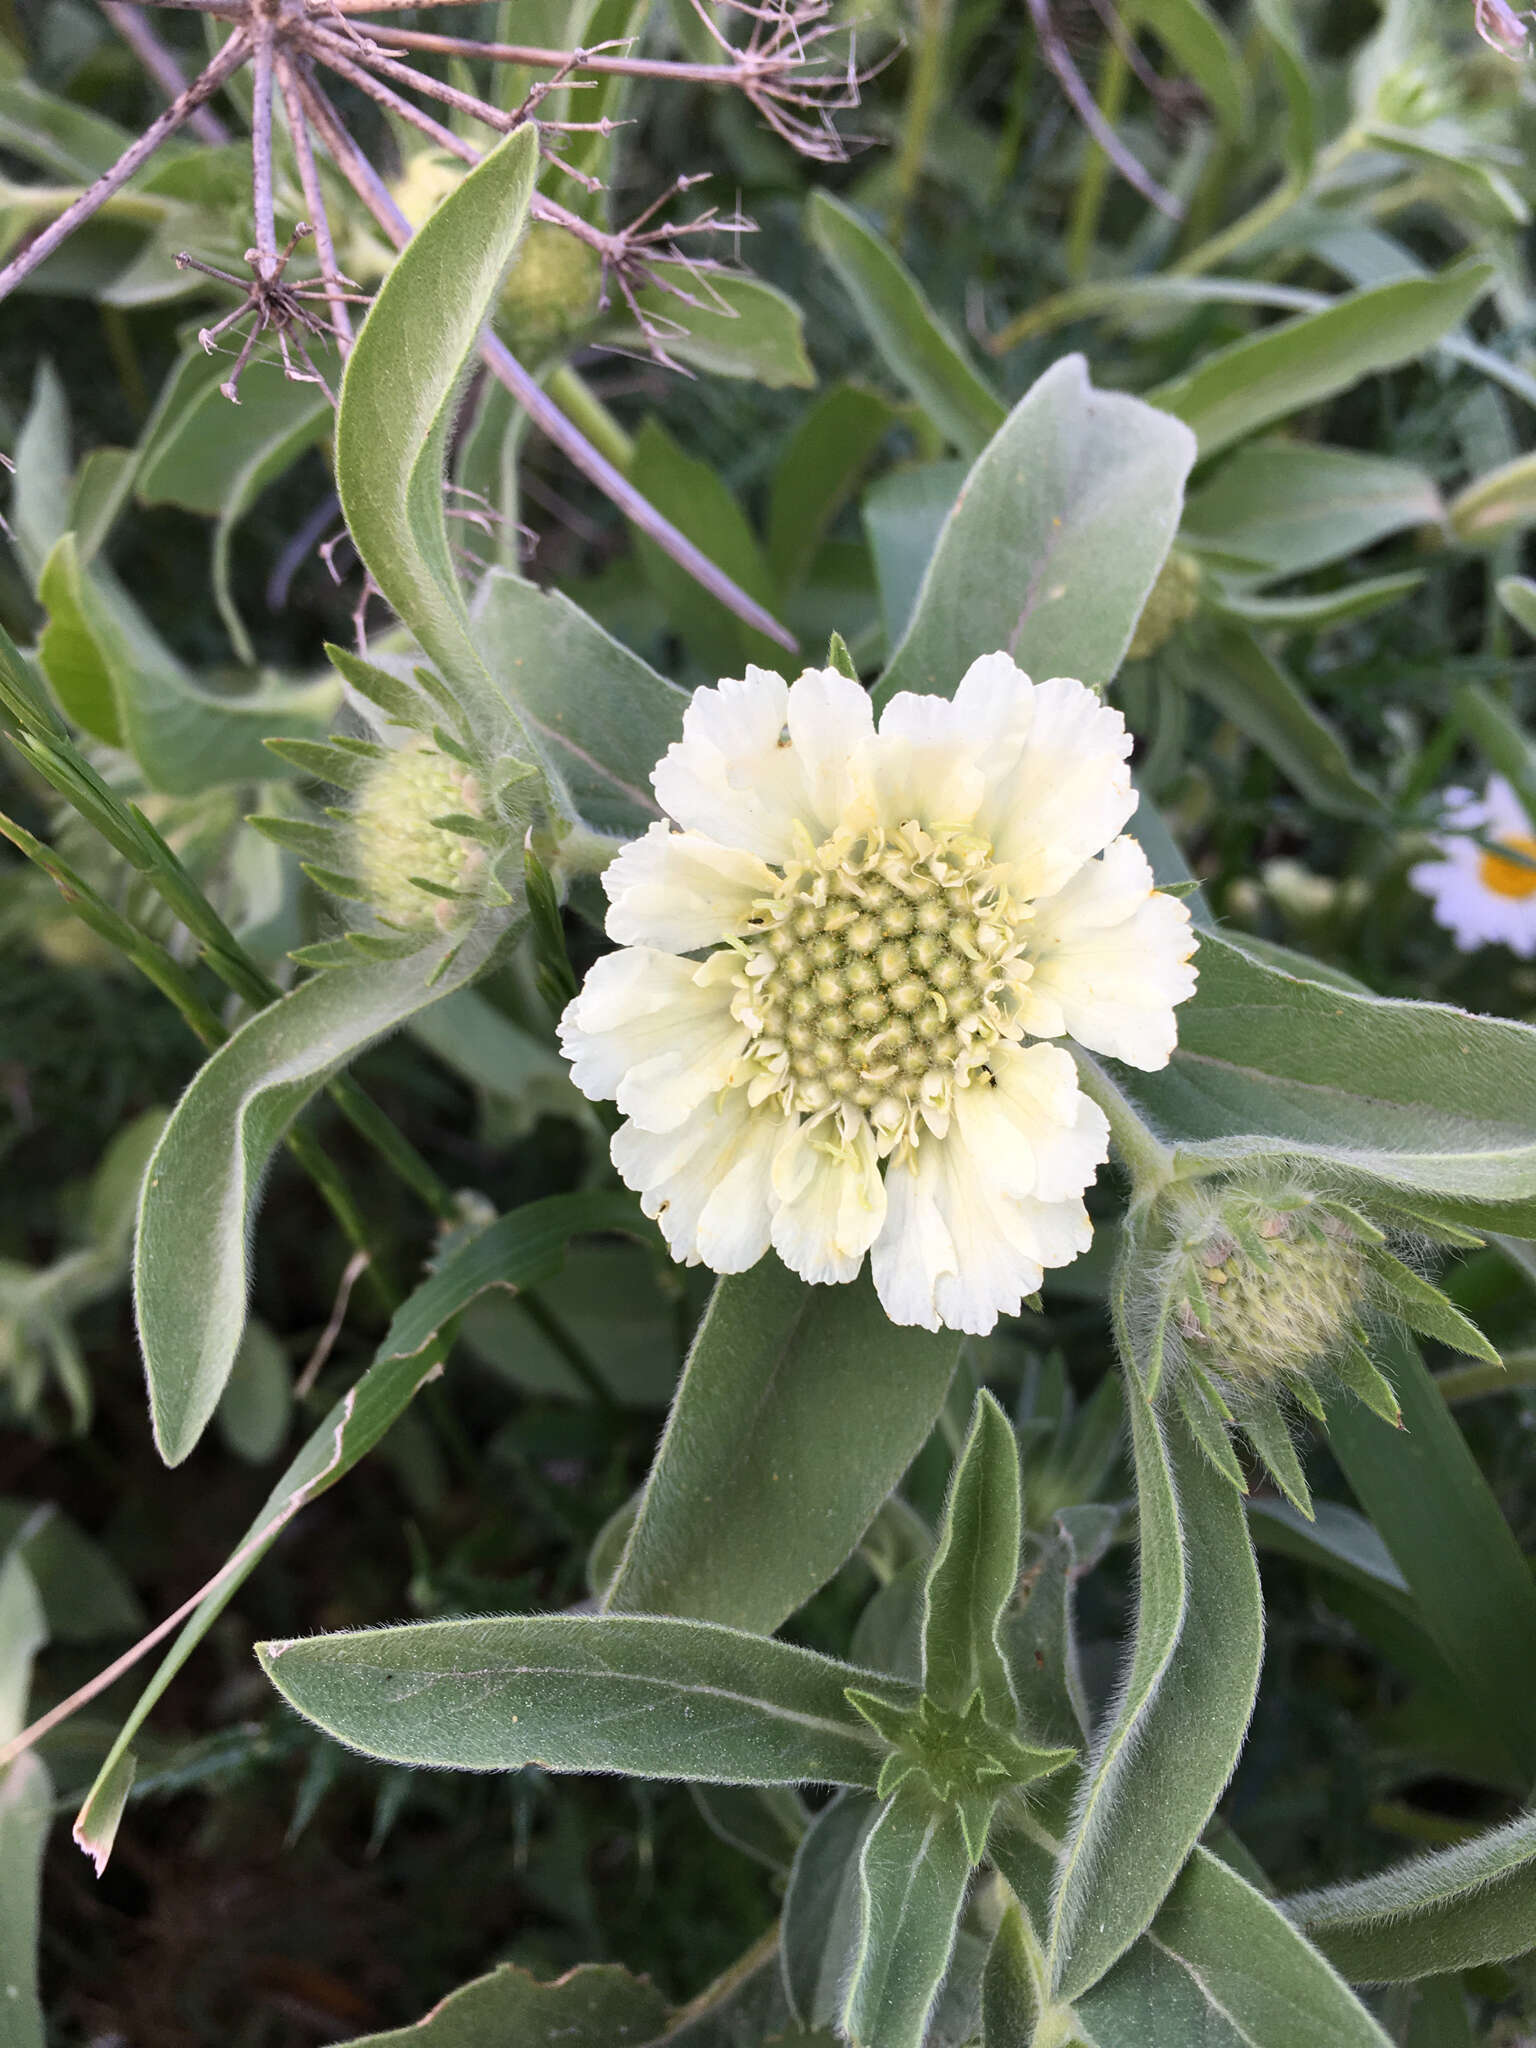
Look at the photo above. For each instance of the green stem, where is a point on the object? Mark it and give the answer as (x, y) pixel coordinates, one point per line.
(177, 986)
(1148, 1161)
(126, 828)
(924, 88)
(1286, 194)
(1470, 1382)
(550, 1326)
(585, 410)
(1088, 201)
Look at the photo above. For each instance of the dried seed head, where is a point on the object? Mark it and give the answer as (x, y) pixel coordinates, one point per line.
(419, 871)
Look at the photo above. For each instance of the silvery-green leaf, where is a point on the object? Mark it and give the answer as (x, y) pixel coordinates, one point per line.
(642, 1694)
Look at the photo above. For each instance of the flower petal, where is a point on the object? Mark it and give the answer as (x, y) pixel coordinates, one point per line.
(1048, 1139)
(680, 891)
(957, 1251)
(1110, 958)
(707, 1183)
(831, 725)
(1068, 792)
(757, 757)
(831, 1199)
(654, 1033)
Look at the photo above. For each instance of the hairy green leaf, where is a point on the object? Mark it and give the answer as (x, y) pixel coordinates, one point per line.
(643, 1694)
(799, 1409)
(916, 346)
(1055, 541)
(1222, 1966)
(1173, 1738)
(914, 1869)
(596, 2006)
(1409, 1097)
(203, 1186)
(1251, 383)
(974, 1571)
(400, 390)
(1450, 1910)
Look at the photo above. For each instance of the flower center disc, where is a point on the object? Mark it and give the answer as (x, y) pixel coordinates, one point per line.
(1511, 877)
(879, 974)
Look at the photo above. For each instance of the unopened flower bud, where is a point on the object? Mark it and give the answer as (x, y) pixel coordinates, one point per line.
(1173, 603)
(418, 871)
(1271, 1281)
(552, 289)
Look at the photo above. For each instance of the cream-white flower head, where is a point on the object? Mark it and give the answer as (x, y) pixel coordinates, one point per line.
(889, 921)
(1480, 895)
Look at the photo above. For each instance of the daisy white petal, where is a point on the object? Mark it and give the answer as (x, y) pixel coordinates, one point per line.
(707, 1183)
(654, 1033)
(1069, 791)
(830, 1199)
(1482, 895)
(1111, 961)
(680, 891)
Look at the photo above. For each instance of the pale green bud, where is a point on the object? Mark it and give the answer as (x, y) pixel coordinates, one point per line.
(1173, 603)
(552, 289)
(417, 872)
(1268, 1282)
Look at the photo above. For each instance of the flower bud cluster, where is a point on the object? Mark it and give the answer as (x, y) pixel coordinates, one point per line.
(1271, 1280)
(1242, 1295)
(420, 867)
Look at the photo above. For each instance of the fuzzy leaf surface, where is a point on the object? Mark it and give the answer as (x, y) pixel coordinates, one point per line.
(203, 1185)
(642, 1694)
(1450, 1910)
(914, 1869)
(1237, 390)
(797, 1412)
(603, 716)
(1055, 541)
(1173, 1738)
(596, 2006)
(974, 1571)
(917, 347)
(400, 388)
(1222, 1966)
(1406, 1095)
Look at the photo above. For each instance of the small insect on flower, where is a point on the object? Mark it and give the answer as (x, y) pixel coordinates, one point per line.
(890, 921)
(1484, 888)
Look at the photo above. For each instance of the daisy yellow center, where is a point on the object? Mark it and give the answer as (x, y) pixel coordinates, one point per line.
(879, 974)
(1507, 877)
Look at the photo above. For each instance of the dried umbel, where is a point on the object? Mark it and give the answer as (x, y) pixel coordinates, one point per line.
(1247, 1296)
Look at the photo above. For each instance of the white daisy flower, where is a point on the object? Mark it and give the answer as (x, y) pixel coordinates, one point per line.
(1481, 896)
(890, 922)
